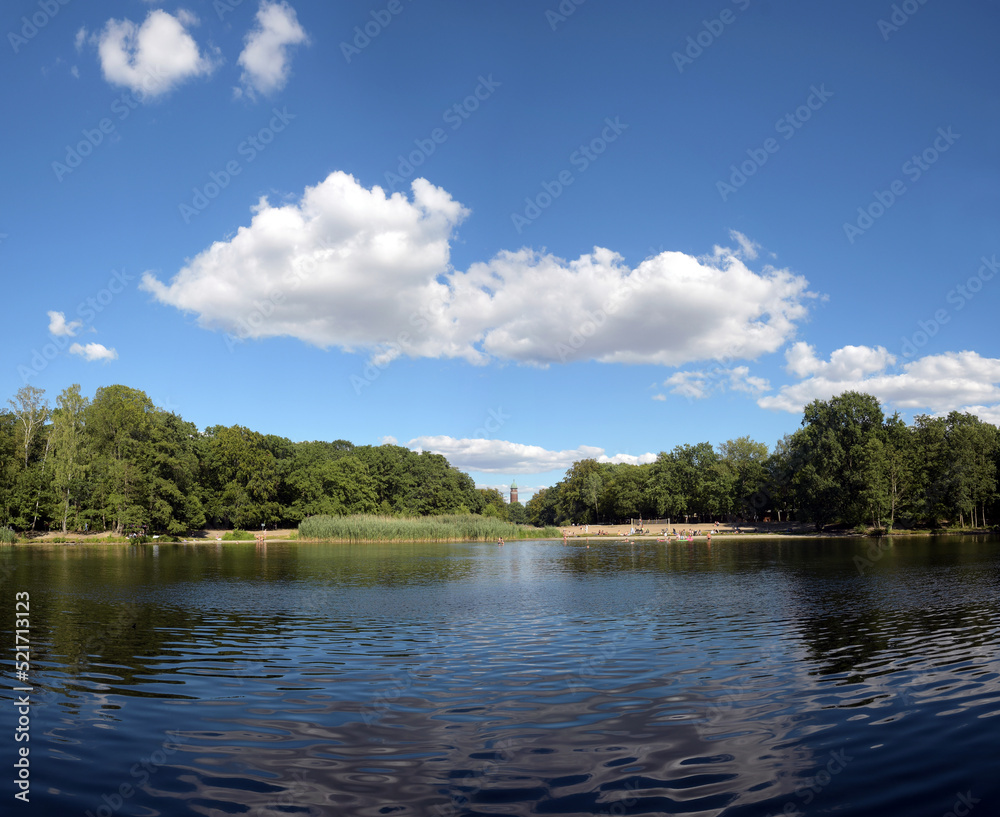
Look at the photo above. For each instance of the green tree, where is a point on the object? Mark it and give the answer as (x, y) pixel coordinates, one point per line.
(31, 411)
(119, 424)
(244, 477)
(579, 492)
(834, 445)
(665, 490)
(899, 466)
(542, 508)
(746, 461)
(625, 491)
(70, 463)
(493, 503)
(175, 475)
(517, 513)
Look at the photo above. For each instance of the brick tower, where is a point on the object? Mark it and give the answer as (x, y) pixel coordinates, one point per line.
(513, 493)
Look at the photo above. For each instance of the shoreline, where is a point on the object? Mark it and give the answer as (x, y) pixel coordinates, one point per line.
(571, 536)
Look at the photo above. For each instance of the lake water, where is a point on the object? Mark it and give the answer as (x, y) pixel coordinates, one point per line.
(745, 678)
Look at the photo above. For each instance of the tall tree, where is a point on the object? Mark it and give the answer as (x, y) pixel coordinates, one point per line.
(835, 445)
(899, 466)
(119, 423)
(747, 462)
(244, 478)
(31, 410)
(68, 447)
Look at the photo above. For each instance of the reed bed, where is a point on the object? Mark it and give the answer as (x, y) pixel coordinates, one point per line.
(450, 528)
(7, 536)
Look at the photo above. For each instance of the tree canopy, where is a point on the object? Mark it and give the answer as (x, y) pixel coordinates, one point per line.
(118, 462)
(847, 464)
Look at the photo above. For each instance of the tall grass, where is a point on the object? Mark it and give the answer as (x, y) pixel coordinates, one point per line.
(454, 528)
(7, 536)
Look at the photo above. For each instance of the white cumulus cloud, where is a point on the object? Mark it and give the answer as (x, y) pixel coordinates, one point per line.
(265, 57)
(346, 266)
(505, 457)
(352, 267)
(93, 351)
(153, 58)
(58, 325)
(962, 381)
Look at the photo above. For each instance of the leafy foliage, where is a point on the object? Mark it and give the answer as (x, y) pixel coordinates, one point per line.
(118, 463)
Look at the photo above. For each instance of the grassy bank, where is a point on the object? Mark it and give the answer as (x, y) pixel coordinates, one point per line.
(454, 528)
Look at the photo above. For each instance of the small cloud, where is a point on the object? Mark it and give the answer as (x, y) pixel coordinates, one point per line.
(740, 379)
(153, 58)
(59, 326)
(660, 397)
(81, 39)
(697, 385)
(265, 57)
(75, 72)
(93, 351)
(388, 439)
(749, 249)
(694, 385)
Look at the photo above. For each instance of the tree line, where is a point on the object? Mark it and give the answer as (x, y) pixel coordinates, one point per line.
(848, 464)
(119, 463)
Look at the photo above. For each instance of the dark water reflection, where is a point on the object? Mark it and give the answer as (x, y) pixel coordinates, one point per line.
(755, 678)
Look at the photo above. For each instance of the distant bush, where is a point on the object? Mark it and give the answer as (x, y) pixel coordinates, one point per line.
(454, 528)
(237, 535)
(7, 536)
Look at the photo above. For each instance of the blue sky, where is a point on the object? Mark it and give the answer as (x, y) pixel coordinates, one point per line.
(516, 233)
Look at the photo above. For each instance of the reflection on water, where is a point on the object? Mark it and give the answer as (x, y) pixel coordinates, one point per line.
(753, 678)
